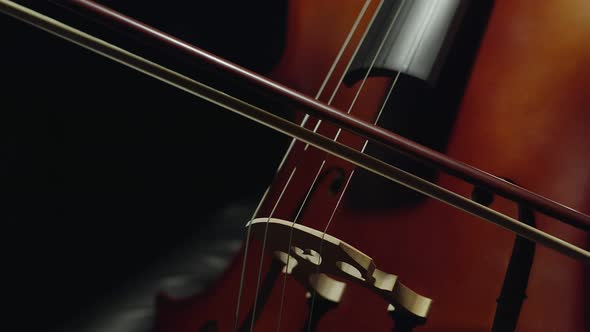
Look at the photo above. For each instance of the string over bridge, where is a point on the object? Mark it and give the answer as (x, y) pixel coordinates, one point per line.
(315, 256)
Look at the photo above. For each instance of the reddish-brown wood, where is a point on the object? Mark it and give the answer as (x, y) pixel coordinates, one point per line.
(524, 117)
(296, 89)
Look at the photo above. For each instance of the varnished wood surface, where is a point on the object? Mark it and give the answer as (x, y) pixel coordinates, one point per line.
(524, 117)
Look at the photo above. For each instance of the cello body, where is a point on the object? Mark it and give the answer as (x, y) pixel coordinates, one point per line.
(523, 116)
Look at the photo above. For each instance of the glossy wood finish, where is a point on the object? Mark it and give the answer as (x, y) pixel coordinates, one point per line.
(321, 110)
(524, 117)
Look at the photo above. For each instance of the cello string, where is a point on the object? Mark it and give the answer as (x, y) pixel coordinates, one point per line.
(349, 110)
(313, 296)
(359, 90)
(412, 57)
(228, 102)
(345, 45)
(337, 88)
(417, 40)
(357, 93)
(341, 79)
(356, 96)
(334, 91)
(304, 121)
(362, 150)
(351, 106)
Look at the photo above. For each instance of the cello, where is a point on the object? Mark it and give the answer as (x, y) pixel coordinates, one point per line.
(506, 124)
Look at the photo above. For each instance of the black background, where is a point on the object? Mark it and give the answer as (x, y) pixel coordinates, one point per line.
(106, 170)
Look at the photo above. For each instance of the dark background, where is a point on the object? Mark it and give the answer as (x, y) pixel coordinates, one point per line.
(105, 171)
